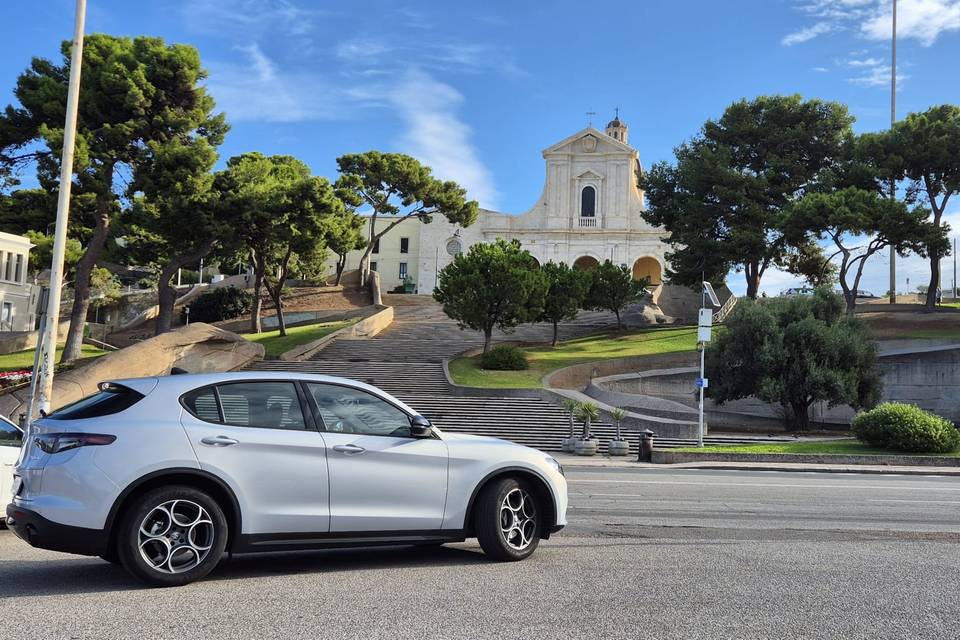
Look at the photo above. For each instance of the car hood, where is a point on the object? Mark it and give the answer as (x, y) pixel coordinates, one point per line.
(466, 443)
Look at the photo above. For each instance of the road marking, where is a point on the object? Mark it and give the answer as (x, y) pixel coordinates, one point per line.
(923, 501)
(763, 484)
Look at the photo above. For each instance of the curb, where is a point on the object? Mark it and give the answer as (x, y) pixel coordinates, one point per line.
(571, 463)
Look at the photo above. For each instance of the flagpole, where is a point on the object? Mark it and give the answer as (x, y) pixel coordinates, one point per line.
(48, 341)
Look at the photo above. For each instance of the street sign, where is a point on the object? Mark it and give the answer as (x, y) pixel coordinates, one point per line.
(703, 383)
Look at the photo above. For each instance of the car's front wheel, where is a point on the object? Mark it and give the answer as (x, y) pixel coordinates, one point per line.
(507, 520)
(172, 535)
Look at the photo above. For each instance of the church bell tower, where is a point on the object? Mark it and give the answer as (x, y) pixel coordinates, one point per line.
(617, 129)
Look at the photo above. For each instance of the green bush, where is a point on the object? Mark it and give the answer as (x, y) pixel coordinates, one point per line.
(504, 358)
(219, 304)
(905, 427)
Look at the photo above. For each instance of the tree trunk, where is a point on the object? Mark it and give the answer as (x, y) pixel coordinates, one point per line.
(81, 299)
(258, 270)
(931, 302)
(276, 291)
(487, 339)
(166, 293)
(555, 334)
(617, 312)
(341, 265)
(801, 415)
(753, 283)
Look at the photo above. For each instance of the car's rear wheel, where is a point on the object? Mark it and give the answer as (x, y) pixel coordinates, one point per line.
(507, 519)
(172, 535)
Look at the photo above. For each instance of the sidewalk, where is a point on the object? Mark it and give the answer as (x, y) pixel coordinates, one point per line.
(604, 462)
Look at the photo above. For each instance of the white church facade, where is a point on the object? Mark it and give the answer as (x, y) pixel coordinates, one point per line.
(589, 211)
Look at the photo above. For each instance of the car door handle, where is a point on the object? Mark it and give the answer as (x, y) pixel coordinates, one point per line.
(219, 441)
(349, 449)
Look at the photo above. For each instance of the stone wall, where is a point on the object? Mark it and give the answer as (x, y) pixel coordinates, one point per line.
(198, 348)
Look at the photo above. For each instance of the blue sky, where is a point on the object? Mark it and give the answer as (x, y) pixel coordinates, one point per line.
(477, 90)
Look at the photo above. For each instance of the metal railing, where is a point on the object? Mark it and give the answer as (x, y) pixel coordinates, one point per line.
(721, 315)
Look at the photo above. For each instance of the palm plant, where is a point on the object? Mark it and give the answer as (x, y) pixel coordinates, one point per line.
(588, 412)
(570, 406)
(618, 414)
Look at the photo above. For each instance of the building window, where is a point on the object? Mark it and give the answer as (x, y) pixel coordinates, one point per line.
(376, 245)
(6, 317)
(373, 266)
(403, 270)
(588, 202)
(404, 245)
(18, 275)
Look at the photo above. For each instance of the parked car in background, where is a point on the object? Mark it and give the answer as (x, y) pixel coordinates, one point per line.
(11, 439)
(863, 293)
(793, 292)
(165, 475)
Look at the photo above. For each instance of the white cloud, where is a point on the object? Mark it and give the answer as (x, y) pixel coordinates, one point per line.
(923, 20)
(436, 136)
(877, 76)
(804, 35)
(865, 62)
(248, 17)
(821, 69)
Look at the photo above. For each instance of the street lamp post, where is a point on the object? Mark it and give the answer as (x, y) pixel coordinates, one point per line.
(48, 341)
(893, 119)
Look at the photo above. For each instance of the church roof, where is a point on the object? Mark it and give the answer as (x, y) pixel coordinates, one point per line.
(579, 134)
(615, 123)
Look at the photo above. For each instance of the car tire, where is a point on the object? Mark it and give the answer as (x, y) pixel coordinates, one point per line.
(172, 536)
(507, 520)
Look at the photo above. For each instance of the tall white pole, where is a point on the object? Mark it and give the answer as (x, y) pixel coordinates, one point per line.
(703, 350)
(49, 339)
(893, 119)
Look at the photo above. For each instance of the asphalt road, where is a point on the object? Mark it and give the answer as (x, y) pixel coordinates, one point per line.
(647, 554)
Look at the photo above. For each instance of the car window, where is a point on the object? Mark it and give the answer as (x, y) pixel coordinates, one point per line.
(109, 400)
(202, 403)
(349, 410)
(269, 405)
(10, 436)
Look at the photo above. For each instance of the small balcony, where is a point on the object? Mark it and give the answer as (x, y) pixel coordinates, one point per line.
(589, 223)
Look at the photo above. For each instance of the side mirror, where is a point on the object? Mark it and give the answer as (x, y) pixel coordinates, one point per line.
(420, 427)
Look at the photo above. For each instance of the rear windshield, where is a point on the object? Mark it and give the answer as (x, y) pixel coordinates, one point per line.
(107, 401)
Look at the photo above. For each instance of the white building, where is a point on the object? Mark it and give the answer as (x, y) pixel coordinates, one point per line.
(18, 299)
(589, 211)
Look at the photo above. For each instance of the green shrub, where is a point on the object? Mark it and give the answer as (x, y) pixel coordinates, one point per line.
(504, 358)
(219, 304)
(905, 427)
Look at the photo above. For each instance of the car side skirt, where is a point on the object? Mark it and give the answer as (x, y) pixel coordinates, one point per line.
(262, 542)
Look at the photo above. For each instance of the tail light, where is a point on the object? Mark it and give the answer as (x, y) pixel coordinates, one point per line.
(57, 442)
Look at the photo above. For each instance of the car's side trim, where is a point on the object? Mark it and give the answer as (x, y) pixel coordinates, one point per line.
(235, 526)
(550, 527)
(259, 542)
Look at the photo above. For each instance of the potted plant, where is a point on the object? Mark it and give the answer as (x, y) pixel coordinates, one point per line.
(618, 446)
(586, 444)
(570, 406)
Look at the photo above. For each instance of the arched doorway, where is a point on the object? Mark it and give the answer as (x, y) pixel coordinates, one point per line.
(534, 263)
(649, 268)
(585, 263)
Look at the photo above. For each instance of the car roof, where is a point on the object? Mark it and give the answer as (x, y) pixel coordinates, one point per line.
(181, 383)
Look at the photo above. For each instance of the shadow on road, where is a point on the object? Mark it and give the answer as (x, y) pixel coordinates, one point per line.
(69, 575)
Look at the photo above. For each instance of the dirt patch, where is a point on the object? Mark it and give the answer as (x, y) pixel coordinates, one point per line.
(887, 325)
(320, 299)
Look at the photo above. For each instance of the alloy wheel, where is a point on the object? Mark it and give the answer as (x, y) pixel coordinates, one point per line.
(518, 519)
(176, 536)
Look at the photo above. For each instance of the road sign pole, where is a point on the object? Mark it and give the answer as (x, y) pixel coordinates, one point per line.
(703, 349)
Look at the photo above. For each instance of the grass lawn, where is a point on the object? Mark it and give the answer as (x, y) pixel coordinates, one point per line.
(543, 360)
(936, 333)
(847, 446)
(24, 359)
(275, 344)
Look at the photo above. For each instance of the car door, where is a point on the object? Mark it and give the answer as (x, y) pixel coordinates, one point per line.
(259, 438)
(11, 440)
(381, 478)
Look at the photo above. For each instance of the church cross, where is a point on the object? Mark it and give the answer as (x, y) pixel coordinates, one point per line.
(590, 115)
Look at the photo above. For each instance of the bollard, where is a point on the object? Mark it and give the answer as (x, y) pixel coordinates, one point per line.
(645, 450)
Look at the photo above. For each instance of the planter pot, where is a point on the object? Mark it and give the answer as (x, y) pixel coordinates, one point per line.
(567, 444)
(586, 447)
(618, 448)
